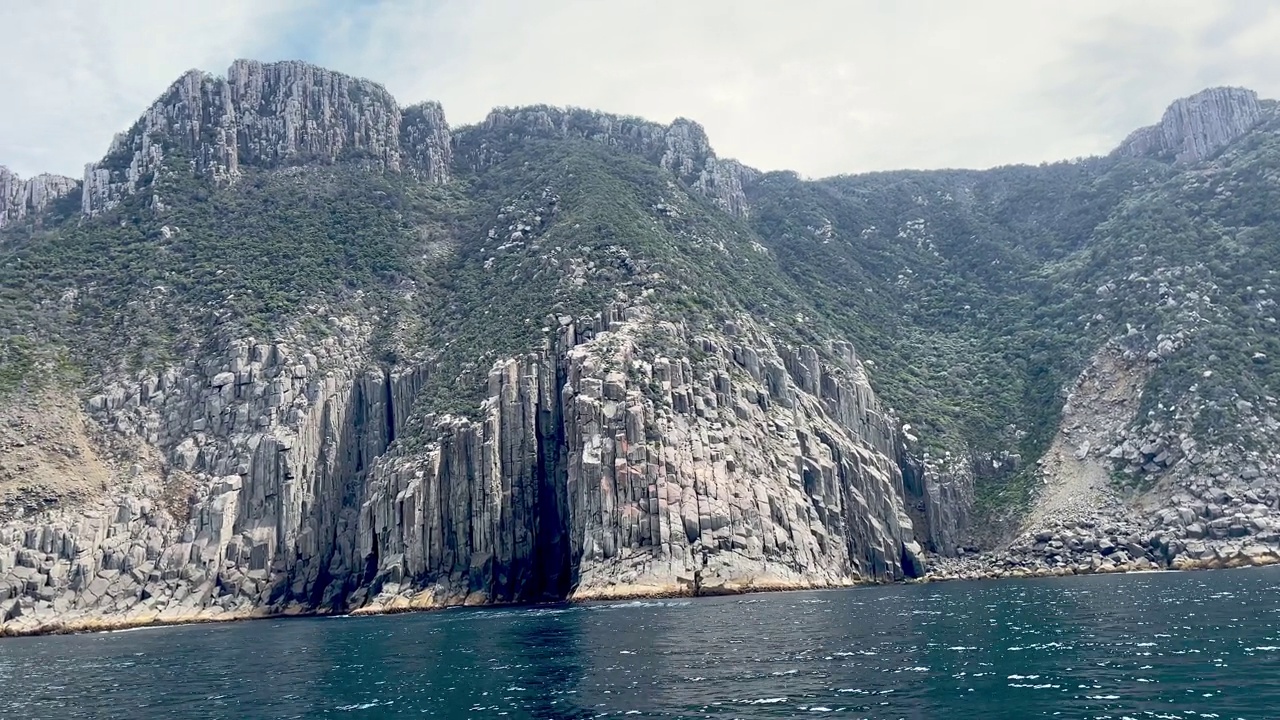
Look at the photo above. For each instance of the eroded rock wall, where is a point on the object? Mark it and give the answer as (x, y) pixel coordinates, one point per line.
(267, 479)
(942, 492)
(235, 486)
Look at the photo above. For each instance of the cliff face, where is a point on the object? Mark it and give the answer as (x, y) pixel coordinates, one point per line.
(268, 115)
(1194, 128)
(601, 469)
(20, 198)
(231, 481)
(597, 469)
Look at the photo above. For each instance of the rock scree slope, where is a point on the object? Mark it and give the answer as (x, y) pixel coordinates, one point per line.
(289, 348)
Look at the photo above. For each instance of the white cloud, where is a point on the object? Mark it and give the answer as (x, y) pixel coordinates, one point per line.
(78, 71)
(820, 86)
(829, 86)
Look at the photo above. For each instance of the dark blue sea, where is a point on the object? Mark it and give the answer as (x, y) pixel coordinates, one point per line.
(1160, 645)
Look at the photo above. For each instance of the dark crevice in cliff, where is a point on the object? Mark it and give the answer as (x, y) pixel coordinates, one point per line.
(914, 498)
(390, 407)
(371, 561)
(365, 435)
(555, 572)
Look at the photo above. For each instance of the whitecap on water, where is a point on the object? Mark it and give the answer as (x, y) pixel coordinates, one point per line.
(363, 706)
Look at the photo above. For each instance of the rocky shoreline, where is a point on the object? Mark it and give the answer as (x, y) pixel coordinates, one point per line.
(974, 568)
(1000, 567)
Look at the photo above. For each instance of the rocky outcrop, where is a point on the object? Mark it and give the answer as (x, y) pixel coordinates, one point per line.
(20, 198)
(269, 115)
(425, 142)
(269, 480)
(1195, 128)
(681, 147)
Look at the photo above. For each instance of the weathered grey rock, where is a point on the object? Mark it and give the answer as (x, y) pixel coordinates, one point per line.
(941, 491)
(598, 488)
(1196, 127)
(270, 115)
(20, 198)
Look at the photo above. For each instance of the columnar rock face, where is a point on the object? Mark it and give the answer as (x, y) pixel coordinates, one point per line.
(251, 501)
(22, 198)
(601, 471)
(597, 468)
(942, 490)
(681, 147)
(269, 115)
(1196, 127)
(426, 145)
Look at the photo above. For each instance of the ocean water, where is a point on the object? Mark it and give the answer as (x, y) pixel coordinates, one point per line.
(1159, 645)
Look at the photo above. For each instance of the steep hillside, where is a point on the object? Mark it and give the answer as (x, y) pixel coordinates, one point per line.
(289, 347)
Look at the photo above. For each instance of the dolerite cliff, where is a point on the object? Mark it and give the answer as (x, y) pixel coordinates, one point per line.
(20, 198)
(602, 470)
(1196, 127)
(269, 115)
(592, 472)
(302, 350)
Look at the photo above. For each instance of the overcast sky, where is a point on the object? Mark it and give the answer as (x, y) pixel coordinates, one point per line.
(817, 86)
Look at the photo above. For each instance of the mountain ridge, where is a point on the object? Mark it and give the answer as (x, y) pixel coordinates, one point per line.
(1204, 122)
